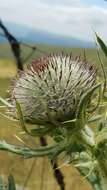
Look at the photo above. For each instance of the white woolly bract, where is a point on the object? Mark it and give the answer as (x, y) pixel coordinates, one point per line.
(51, 88)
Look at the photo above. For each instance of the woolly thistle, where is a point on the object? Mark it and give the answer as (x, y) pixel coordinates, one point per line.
(58, 92)
(51, 88)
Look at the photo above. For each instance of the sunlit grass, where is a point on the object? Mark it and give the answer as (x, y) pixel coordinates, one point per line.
(7, 68)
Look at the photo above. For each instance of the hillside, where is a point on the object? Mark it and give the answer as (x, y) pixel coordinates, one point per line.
(5, 51)
(41, 36)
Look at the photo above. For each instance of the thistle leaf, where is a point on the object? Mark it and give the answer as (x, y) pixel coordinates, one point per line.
(81, 112)
(94, 118)
(102, 44)
(21, 119)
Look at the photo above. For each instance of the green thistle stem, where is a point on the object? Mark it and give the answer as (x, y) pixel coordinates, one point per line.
(26, 152)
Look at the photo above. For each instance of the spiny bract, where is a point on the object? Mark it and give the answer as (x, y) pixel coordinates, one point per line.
(51, 88)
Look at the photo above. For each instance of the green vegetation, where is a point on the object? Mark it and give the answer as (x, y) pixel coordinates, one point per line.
(6, 54)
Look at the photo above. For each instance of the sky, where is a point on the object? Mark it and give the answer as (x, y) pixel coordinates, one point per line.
(72, 18)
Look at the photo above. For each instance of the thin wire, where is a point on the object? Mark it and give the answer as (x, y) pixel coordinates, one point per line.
(34, 48)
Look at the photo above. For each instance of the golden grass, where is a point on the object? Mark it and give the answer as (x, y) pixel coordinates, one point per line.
(41, 177)
(7, 68)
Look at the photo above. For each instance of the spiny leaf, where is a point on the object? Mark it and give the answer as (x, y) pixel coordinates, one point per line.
(34, 132)
(7, 117)
(20, 114)
(94, 118)
(103, 71)
(80, 115)
(69, 121)
(102, 44)
(5, 102)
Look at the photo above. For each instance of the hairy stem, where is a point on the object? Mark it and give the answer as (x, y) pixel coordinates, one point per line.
(26, 152)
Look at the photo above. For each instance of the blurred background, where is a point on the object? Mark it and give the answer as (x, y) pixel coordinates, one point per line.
(36, 28)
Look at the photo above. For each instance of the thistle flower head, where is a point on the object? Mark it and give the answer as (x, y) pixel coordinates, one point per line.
(51, 88)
